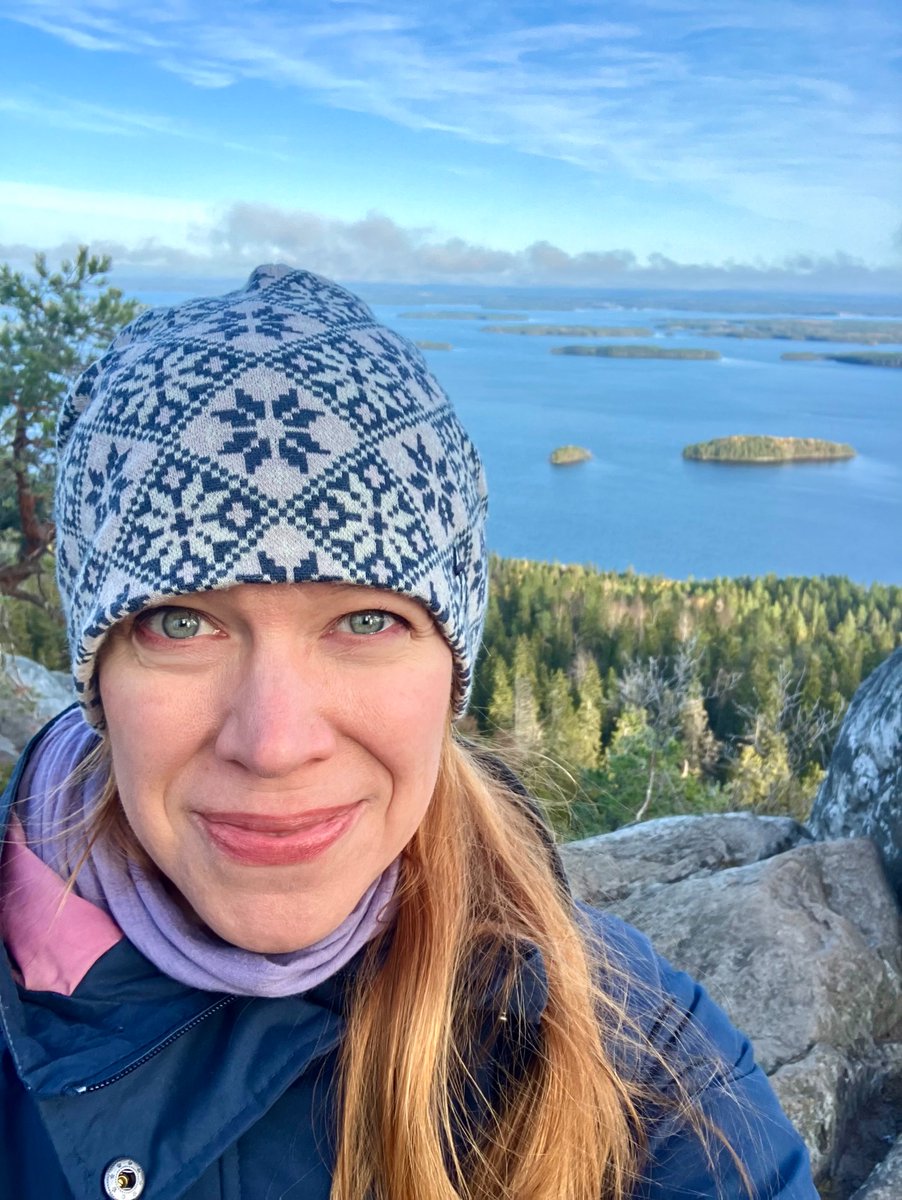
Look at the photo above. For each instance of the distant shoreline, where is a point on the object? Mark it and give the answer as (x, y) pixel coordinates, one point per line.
(689, 354)
(572, 330)
(792, 329)
(453, 314)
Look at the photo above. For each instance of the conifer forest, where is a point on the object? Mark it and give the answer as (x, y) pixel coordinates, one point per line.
(621, 696)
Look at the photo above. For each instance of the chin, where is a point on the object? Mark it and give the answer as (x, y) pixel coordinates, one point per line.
(272, 938)
(274, 944)
(261, 941)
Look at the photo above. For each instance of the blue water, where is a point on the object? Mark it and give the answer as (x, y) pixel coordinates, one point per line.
(638, 503)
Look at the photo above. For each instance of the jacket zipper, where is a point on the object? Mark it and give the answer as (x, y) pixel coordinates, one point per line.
(84, 1089)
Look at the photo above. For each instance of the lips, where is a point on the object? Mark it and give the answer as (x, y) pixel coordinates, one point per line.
(272, 840)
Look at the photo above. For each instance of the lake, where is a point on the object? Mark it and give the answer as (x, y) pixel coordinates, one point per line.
(637, 503)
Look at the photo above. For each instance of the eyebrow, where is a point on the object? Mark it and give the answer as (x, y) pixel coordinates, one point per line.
(340, 588)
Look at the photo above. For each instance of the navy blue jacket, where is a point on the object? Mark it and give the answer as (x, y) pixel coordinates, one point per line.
(222, 1097)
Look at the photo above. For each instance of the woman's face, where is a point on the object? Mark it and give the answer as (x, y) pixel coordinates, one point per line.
(275, 747)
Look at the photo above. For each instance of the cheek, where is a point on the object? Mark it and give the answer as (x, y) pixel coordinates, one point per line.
(153, 731)
(423, 728)
(129, 736)
(424, 700)
(408, 726)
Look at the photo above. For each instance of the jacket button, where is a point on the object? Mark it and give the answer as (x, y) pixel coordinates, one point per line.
(123, 1179)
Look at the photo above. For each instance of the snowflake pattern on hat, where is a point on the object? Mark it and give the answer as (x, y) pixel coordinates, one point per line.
(275, 434)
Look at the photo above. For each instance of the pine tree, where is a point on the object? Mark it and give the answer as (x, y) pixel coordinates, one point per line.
(527, 729)
(52, 323)
(501, 702)
(589, 712)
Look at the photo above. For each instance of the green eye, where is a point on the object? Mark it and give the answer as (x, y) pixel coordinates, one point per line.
(372, 621)
(175, 623)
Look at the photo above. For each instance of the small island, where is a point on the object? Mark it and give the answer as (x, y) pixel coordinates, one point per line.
(566, 456)
(642, 351)
(859, 358)
(427, 345)
(755, 449)
(571, 330)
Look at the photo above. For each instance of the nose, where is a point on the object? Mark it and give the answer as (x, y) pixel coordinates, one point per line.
(278, 718)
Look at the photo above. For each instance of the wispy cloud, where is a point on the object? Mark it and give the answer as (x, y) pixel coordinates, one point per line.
(376, 248)
(80, 38)
(201, 74)
(62, 112)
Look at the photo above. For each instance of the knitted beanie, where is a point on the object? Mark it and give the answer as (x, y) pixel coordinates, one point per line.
(275, 434)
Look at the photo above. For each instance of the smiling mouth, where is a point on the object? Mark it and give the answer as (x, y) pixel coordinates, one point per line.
(271, 840)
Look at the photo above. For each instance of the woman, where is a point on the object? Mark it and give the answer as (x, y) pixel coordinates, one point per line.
(272, 929)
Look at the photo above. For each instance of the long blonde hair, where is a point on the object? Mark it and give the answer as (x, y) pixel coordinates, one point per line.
(477, 887)
(479, 904)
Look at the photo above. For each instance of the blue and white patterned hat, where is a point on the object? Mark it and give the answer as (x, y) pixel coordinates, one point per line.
(275, 434)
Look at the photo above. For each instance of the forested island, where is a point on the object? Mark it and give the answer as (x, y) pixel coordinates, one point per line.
(862, 358)
(427, 345)
(755, 449)
(637, 352)
(571, 330)
(869, 333)
(566, 456)
(456, 314)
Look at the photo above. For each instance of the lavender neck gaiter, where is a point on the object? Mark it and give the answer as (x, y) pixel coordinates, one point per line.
(52, 808)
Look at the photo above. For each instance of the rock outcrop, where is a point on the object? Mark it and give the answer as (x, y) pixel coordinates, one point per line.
(800, 943)
(885, 1181)
(30, 696)
(862, 793)
(615, 865)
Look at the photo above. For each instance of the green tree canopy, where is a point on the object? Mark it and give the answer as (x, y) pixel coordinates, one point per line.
(53, 322)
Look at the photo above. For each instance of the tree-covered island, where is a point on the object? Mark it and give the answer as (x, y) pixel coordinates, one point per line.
(642, 351)
(755, 449)
(869, 333)
(571, 330)
(566, 456)
(457, 314)
(861, 358)
(427, 345)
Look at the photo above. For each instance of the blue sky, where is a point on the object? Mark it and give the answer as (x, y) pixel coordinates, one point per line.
(574, 142)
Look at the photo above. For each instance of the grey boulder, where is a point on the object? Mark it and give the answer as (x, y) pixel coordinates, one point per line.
(861, 795)
(30, 696)
(611, 866)
(798, 941)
